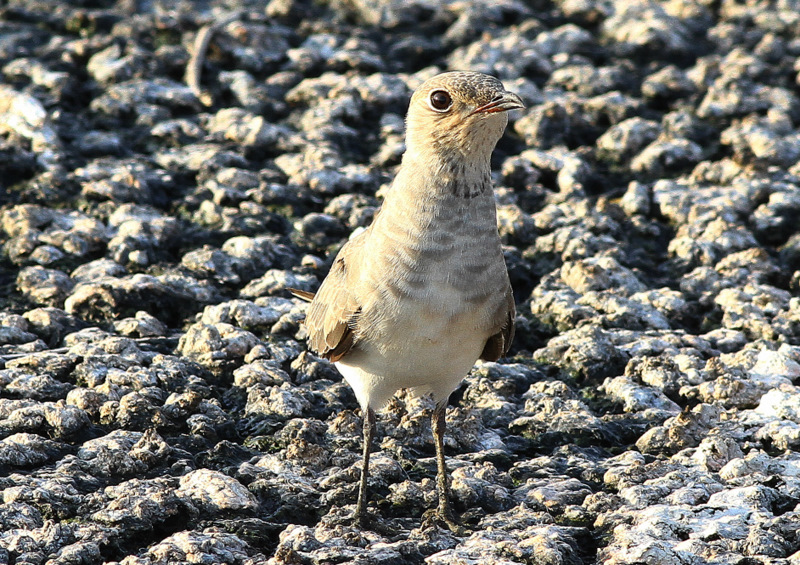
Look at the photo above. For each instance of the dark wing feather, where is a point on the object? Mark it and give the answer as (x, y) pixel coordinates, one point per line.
(301, 294)
(333, 315)
(499, 344)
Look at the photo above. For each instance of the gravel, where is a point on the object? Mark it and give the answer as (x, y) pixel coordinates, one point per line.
(157, 401)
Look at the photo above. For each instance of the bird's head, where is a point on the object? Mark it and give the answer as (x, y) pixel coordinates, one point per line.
(458, 114)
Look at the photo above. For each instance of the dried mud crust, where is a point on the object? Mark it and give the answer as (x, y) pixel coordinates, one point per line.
(157, 402)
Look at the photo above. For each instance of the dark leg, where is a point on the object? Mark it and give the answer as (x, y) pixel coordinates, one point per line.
(444, 512)
(369, 431)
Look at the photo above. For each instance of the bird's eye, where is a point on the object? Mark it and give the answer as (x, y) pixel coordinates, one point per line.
(440, 100)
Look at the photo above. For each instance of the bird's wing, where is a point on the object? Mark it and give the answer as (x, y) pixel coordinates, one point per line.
(499, 344)
(333, 315)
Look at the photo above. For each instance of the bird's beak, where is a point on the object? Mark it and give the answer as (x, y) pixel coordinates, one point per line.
(501, 103)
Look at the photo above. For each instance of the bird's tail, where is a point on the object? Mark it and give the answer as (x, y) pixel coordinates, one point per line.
(302, 294)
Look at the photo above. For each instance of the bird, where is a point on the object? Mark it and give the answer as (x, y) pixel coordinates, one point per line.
(416, 298)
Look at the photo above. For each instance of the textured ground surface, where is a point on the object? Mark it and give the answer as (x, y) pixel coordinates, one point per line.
(157, 403)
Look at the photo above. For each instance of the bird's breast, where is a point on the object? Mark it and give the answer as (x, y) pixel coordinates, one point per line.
(435, 276)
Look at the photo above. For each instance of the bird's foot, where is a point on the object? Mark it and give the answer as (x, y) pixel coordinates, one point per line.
(362, 519)
(445, 519)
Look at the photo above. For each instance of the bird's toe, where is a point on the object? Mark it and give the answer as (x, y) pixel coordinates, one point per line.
(437, 518)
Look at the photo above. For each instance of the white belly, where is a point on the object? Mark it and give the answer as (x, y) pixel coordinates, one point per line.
(423, 349)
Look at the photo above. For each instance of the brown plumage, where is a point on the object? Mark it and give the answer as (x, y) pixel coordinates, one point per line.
(422, 293)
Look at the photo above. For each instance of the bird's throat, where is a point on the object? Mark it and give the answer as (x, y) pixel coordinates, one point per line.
(436, 177)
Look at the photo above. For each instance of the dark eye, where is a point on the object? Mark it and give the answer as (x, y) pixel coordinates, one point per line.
(440, 100)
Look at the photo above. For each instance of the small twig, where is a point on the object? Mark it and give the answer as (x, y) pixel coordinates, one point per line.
(194, 69)
(11, 356)
(159, 340)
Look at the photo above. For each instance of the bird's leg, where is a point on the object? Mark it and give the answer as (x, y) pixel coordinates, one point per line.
(444, 512)
(369, 431)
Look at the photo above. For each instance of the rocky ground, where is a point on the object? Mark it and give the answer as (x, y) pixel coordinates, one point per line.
(157, 402)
